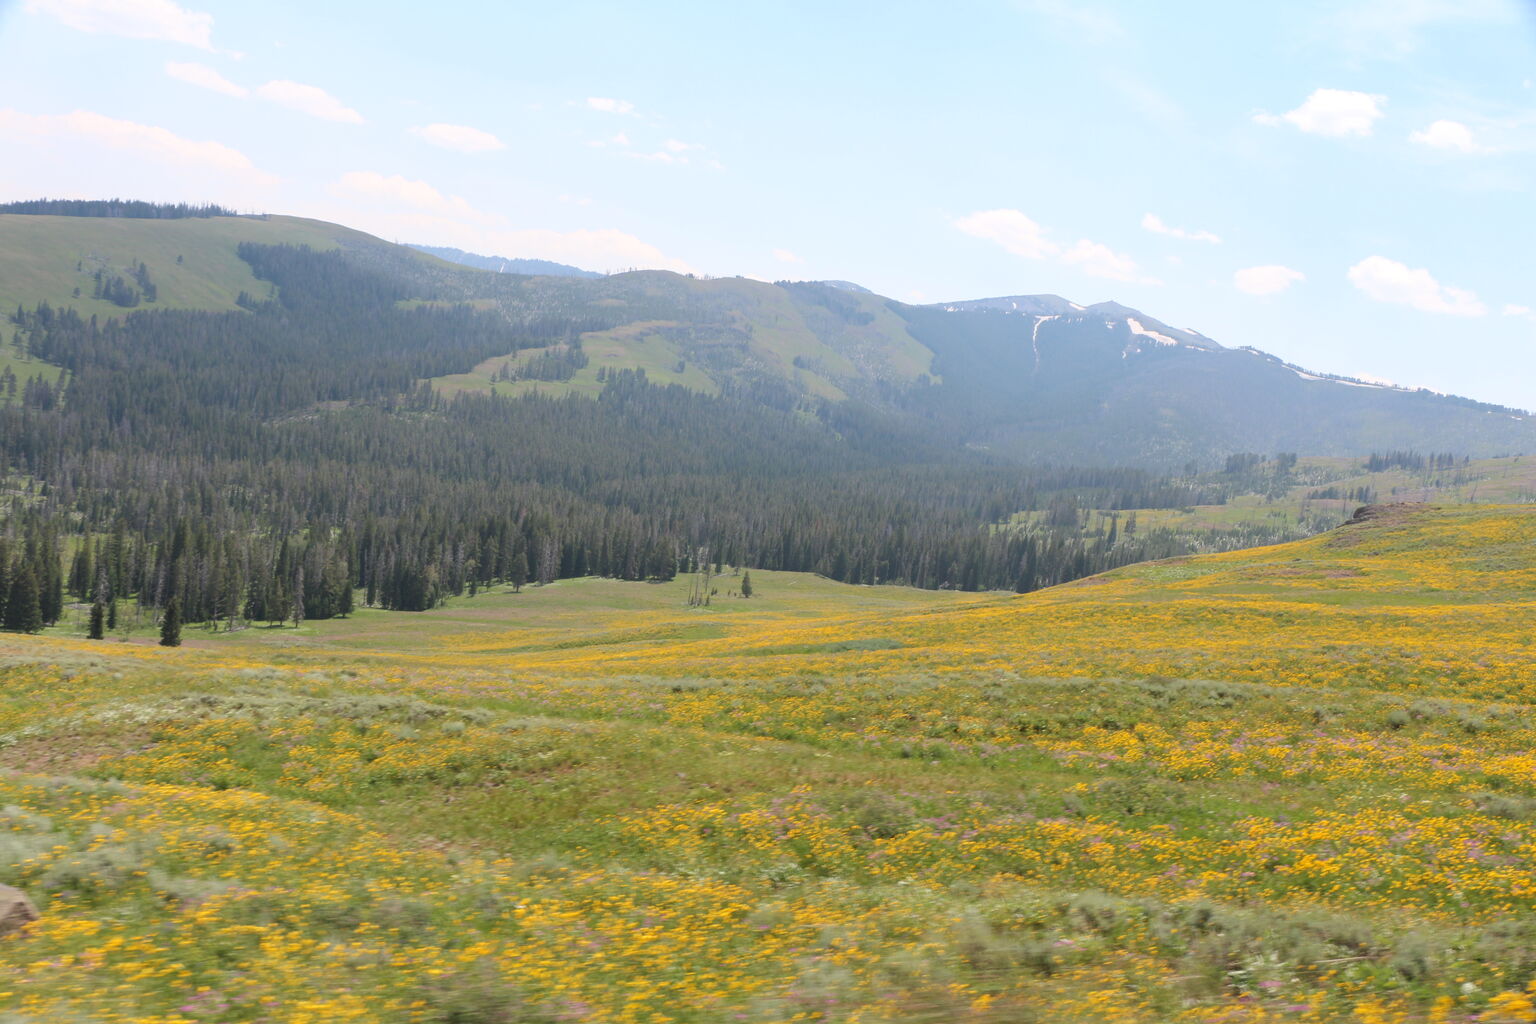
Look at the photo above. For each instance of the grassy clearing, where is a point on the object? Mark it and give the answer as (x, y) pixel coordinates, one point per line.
(1290, 784)
(192, 261)
(25, 368)
(740, 323)
(634, 347)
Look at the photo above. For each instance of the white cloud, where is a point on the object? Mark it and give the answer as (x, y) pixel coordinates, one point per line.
(398, 190)
(608, 105)
(135, 19)
(1333, 112)
(1153, 223)
(1098, 260)
(603, 249)
(671, 152)
(309, 99)
(394, 206)
(1010, 229)
(204, 77)
(1510, 309)
(1448, 135)
(785, 256)
(1269, 279)
(1022, 236)
(147, 140)
(1390, 281)
(460, 137)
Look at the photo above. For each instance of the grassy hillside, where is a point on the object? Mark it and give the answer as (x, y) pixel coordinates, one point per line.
(816, 340)
(1285, 784)
(191, 261)
(1317, 493)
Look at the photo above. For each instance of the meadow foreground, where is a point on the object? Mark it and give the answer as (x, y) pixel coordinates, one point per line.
(1285, 784)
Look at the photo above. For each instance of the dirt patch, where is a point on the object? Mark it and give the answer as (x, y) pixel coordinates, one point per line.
(71, 753)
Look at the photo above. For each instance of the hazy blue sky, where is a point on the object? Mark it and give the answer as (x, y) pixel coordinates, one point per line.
(1347, 185)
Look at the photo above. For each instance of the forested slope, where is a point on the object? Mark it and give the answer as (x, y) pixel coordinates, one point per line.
(257, 427)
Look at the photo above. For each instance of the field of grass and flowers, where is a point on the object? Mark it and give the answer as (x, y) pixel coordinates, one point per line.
(1287, 784)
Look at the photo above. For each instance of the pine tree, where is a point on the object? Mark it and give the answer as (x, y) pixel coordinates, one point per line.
(170, 624)
(297, 608)
(98, 621)
(746, 584)
(24, 612)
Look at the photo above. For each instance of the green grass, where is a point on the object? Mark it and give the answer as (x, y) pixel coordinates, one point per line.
(738, 322)
(885, 784)
(634, 347)
(192, 261)
(25, 368)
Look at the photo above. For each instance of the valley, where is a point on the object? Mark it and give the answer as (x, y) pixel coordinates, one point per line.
(1288, 783)
(687, 513)
(473, 647)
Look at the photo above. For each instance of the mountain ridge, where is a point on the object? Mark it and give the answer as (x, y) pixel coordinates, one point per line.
(1030, 376)
(503, 264)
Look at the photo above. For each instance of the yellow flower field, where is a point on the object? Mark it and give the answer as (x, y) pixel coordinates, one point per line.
(1286, 784)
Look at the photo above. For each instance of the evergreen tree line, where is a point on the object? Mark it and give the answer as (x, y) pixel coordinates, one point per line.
(1413, 461)
(31, 577)
(559, 362)
(115, 288)
(132, 208)
(265, 465)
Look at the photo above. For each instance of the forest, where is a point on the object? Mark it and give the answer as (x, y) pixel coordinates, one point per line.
(260, 465)
(134, 208)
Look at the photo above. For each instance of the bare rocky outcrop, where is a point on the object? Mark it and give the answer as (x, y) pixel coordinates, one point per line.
(15, 909)
(1391, 510)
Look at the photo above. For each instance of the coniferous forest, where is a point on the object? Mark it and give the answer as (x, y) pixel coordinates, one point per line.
(264, 465)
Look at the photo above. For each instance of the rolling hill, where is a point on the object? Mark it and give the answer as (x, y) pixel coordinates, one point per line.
(192, 261)
(294, 411)
(1027, 377)
(1291, 783)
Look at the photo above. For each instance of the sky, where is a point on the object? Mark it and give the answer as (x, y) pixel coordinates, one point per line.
(1347, 185)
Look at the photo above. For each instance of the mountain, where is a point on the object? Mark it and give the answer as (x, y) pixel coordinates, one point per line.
(259, 415)
(502, 265)
(847, 286)
(1035, 374)
(1026, 377)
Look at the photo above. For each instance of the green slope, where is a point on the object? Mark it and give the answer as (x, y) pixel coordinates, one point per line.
(191, 261)
(820, 341)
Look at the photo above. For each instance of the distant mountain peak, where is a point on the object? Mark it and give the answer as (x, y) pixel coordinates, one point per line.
(1144, 331)
(1028, 305)
(845, 286)
(503, 264)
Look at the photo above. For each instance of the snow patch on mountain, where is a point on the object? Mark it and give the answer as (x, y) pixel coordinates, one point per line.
(1034, 337)
(1136, 328)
